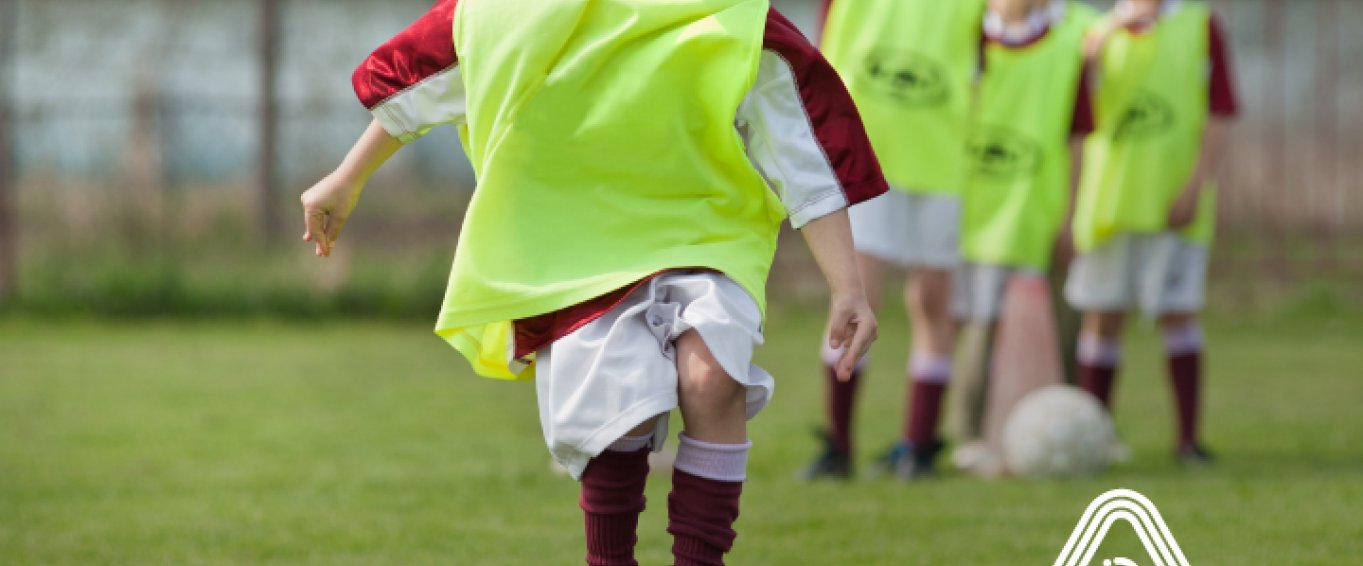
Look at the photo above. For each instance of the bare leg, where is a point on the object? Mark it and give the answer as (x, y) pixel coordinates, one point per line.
(707, 479)
(1183, 344)
(1177, 321)
(927, 296)
(712, 403)
(1099, 353)
(647, 427)
(1107, 325)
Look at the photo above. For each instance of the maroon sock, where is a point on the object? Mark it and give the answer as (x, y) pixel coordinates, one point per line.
(1098, 381)
(1185, 371)
(925, 403)
(841, 396)
(612, 498)
(701, 514)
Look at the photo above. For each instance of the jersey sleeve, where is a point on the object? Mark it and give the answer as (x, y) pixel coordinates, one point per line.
(1224, 100)
(803, 132)
(411, 83)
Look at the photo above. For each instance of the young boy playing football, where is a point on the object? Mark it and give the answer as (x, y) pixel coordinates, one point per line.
(1031, 109)
(1144, 217)
(634, 159)
(909, 65)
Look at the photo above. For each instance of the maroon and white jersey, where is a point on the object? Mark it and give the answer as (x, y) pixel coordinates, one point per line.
(801, 130)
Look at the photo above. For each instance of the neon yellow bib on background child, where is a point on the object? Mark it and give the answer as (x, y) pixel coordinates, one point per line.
(1151, 107)
(585, 186)
(909, 67)
(1018, 184)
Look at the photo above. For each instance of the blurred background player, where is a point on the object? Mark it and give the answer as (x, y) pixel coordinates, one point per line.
(1145, 212)
(658, 122)
(908, 65)
(1030, 111)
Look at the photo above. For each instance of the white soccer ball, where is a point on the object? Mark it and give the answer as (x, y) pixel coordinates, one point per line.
(1058, 431)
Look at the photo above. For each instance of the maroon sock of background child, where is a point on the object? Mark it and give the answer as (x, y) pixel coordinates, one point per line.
(925, 403)
(612, 498)
(841, 396)
(1098, 381)
(701, 514)
(1185, 371)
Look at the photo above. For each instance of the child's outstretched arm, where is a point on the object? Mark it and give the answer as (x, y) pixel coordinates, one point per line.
(410, 84)
(851, 322)
(1097, 37)
(328, 204)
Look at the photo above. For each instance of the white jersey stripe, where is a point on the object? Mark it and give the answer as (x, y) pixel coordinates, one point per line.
(782, 145)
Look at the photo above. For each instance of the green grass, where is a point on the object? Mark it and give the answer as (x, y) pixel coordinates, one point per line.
(247, 442)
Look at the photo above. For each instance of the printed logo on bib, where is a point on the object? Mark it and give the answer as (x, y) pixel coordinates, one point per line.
(905, 77)
(1147, 115)
(1003, 154)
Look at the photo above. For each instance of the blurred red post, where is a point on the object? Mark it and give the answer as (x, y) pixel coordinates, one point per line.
(9, 222)
(269, 117)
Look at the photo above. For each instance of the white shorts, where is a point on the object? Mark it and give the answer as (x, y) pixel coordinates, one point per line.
(608, 377)
(1159, 273)
(909, 229)
(978, 290)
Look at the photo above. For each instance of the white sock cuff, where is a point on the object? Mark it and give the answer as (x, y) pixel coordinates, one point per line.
(830, 356)
(930, 368)
(631, 443)
(718, 462)
(1186, 339)
(1095, 351)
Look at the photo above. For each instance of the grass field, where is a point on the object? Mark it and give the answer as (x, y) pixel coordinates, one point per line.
(359, 443)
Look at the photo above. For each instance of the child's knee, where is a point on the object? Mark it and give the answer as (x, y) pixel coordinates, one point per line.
(930, 293)
(709, 385)
(1177, 321)
(1104, 324)
(700, 378)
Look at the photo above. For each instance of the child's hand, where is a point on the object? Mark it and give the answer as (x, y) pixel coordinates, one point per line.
(851, 323)
(326, 206)
(1093, 44)
(1184, 210)
(1108, 25)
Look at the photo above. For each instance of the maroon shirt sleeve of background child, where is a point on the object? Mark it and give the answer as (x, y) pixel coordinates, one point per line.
(422, 49)
(837, 126)
(1224, 101)
(1082, 123)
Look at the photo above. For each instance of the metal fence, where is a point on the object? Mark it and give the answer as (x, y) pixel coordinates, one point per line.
(170, 97)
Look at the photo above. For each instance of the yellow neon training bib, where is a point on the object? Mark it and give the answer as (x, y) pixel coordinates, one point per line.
(1151, 106)
(909, 65)
(602, 135)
